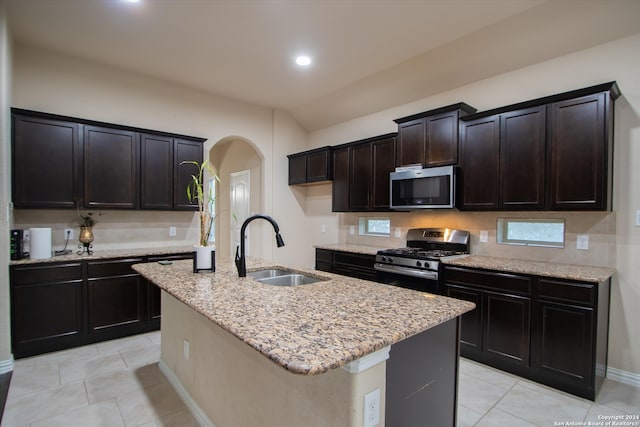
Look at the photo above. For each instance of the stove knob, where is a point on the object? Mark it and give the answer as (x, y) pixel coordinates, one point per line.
(384, 259)
(418, 264)
(390, 260)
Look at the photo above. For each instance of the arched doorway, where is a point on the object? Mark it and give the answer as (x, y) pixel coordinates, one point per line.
(234, 157)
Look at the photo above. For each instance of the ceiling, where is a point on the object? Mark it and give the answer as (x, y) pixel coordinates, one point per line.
(368, 55)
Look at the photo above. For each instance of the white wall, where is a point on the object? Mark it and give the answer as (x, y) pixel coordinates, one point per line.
(5, 189)
(619, 61)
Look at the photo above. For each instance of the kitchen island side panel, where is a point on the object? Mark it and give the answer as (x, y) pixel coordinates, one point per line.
(235, 385)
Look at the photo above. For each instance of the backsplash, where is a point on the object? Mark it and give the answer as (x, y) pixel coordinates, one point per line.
(115, 229)
(599, 226)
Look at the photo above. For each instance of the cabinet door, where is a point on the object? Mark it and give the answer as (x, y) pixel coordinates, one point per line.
(340, 188)
(507, 333)
(442, 139)
(156, 172)
(297, 169)
(522, 159)
(360, 177)
(565, 345)
(154, 309)
(318, 166)
(115, 296)
(411, 142)
(471, 321)
(384, 161)
(579, 143)
(46, 307)
(110, 168)
(184, 151)
(479, 154)
(46, 159)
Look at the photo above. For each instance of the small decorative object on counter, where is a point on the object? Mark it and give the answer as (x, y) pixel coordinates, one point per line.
(86, 222)
(204, 255)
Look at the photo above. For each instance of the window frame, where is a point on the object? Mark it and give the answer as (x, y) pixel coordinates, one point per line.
(502, 231)
(364, 230)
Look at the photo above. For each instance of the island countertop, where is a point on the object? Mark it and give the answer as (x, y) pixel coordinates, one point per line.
(307, 329)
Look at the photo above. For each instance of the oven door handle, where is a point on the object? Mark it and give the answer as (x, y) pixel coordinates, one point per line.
(424, 274)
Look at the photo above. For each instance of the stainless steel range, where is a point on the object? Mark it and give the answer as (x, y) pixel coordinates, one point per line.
(417, 266)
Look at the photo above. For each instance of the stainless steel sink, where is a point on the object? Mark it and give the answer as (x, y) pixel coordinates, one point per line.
(279, 277)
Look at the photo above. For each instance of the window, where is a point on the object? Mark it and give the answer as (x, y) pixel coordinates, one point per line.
(374, 226)
(532, 232)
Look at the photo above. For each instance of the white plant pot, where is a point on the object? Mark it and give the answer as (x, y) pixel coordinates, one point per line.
(203, 257)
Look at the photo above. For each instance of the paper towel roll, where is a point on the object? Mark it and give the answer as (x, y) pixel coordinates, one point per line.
(40, 243)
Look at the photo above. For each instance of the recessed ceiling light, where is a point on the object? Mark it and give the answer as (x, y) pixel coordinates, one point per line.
(303, 60)
(131, 1)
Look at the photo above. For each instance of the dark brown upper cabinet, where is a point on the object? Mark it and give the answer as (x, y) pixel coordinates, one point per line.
(552, 153)
(580, 133)
(430, 138)
(310, 167)
(364, 183)
(340, 188)
(110, 168)
(46, 158)
(502, 160)
(65, 162)
(184, 151)
(156, 172)
(477, 180)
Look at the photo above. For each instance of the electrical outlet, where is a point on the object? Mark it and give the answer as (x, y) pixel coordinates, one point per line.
(323, 228)
(172, 231)
(352, 229)
(638, 218)
(185, 349)
(398, 232)
(69, 234)
(484, 236)
(582, 242)
(372, 408)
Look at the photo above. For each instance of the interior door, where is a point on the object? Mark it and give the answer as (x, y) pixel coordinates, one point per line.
(239, 204)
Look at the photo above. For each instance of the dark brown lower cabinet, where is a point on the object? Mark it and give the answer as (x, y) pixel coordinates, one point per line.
(346, 263)
(46, 307)
(55, 306)
(553, 331)
(116, 296)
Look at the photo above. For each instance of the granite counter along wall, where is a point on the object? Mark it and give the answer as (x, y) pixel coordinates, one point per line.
(600, 226)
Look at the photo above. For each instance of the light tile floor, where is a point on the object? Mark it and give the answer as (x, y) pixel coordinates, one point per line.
(118, 383)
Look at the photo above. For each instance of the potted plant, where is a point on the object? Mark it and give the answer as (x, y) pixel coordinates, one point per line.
(197, 192)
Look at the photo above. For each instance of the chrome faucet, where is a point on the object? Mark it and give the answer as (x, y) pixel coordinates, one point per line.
(240, 258)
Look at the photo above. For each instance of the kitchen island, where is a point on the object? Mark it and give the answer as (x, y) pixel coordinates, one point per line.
(242, 352)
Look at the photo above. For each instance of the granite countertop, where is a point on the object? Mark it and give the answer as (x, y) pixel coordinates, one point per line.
(104, 254)
(538, 268)
(307, 329)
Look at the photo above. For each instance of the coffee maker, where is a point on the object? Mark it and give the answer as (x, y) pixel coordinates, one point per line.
(17, 244)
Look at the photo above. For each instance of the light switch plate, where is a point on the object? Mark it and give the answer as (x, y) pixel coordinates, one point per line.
(638, 218)
(352, 229)
(582, 242)
(323, 228)
(484, 236)
(398, 232)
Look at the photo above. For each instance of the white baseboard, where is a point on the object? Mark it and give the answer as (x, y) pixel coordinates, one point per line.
(624, 377)
(195, 409)
(6, 365)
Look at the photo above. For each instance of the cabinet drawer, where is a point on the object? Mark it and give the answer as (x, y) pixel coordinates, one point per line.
(582, 293)
(488, 280)
(38, 273)
(324, 255)
(172, 257)
(112, 267)
(351, 259)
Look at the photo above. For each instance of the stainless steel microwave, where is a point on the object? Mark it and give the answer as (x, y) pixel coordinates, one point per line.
(428, 188)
